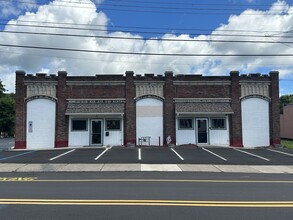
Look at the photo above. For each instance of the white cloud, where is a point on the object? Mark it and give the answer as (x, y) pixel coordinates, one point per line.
(279, 7)
(14, 8)
(7, 9)
(33, 61)
(8, 78)
(27, 5)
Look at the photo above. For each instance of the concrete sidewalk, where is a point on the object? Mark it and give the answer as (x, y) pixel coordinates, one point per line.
(18, 167)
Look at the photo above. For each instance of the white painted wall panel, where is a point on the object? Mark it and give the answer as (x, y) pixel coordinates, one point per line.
(78, 138)
(255, 122)
(220, 137)
(185, 136)
(114, 138)
(41, 117)
(149, 121)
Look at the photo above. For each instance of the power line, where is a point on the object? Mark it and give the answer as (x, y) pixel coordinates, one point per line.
(164, 3)
(192, 4)
(145, 53)
(137, 62)
(136, 9)
(181, 12)
(131, 27)
(147, 32)
(159, 5)
(150, 39)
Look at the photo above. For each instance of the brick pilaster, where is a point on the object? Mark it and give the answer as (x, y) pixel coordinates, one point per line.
(169, 109)
(274, 109)
(61, 135)
(130, 110)
(20, 108)
(236, 122)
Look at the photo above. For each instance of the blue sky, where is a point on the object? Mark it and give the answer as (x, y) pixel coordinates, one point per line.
(195, 27)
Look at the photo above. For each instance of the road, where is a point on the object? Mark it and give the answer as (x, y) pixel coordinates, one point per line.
(142, 195)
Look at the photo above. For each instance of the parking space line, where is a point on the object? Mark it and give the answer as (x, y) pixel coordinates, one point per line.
(281, 152)
(17, 155)
(139, 154)
(177, 154)
(254, 155)
(53, 158)
(214, 154)
(102, 153)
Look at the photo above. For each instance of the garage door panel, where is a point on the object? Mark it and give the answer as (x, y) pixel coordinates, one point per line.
(255, 122)
(41, 116)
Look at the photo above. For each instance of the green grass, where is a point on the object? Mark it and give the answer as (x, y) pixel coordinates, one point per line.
(287, 143)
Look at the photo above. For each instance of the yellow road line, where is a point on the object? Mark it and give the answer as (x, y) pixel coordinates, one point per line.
(34, 179)
(255, 204)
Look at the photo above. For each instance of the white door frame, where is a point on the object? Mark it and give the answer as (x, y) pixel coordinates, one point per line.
(197, 132)
(91, 131)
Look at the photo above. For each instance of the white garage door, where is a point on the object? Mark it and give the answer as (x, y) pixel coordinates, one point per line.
(41, 123)
(255, 122)
(149, 121)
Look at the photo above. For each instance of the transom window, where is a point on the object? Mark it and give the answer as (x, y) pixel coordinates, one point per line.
(113, 124)
(218, 123)
(79, 125)
(185, 123)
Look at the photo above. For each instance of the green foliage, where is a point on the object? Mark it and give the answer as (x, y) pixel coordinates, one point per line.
(287, 143)
(2, 89)
(284, 100)
(7, 112)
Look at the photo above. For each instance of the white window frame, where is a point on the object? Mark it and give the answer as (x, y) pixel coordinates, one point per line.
(192, 124)
(116, 119)
(221, 118)
(79, 119)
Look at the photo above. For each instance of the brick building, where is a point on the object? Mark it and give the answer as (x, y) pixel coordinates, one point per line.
(286, 122)
(60, 110)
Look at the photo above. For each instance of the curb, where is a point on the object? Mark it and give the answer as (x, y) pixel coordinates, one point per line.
(25, 168)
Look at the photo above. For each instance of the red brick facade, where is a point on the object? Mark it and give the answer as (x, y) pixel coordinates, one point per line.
(20, 122)
(124, 87)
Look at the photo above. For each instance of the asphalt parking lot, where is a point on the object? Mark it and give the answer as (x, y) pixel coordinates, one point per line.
(6, 143)
(153, 155)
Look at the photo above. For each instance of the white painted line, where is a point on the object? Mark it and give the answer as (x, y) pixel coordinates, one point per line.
(254, 155)
(62, 154)
(101, 154)
(214, 154)
(281, 152)
(139, 154)
(177, 154)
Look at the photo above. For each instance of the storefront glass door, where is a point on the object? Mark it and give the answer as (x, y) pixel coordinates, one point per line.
(96, 132)
(202, 130)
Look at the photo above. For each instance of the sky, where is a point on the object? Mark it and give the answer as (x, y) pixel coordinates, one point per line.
(89, 37)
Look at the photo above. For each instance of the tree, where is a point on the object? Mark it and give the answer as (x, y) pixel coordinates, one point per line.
(284, 100)
(2, 89)
(7, 112)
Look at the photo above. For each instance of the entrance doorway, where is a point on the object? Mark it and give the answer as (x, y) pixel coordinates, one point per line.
(149, 122)
(96, 132)
(202, 130)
